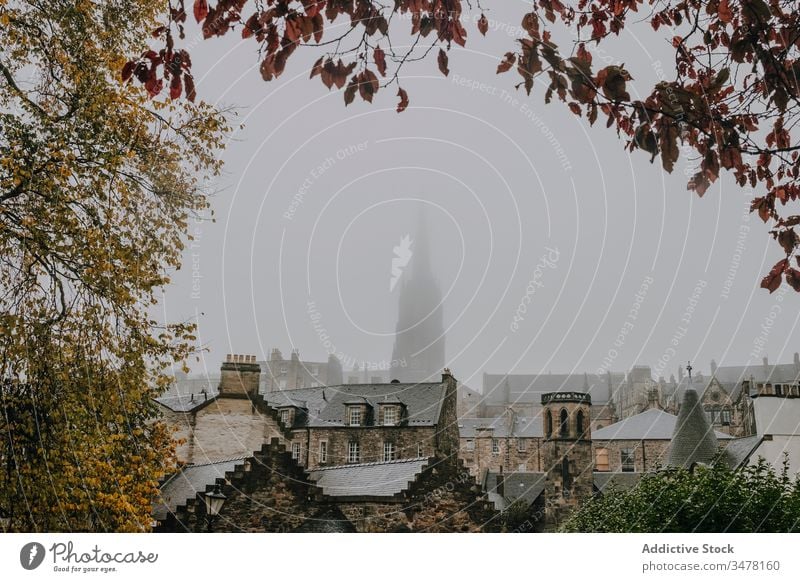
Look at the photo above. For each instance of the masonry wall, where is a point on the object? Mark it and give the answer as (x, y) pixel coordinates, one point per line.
(274, 495)
(409, 442)
(508, 459)
(226, 428)
(647, 454)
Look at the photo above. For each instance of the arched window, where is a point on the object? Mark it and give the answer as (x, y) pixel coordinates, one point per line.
(579, 424)
(548, 424)
(564, 424)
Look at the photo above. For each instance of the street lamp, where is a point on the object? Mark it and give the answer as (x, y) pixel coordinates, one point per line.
(214, 502)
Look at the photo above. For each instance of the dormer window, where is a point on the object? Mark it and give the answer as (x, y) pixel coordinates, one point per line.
(285, 416)
(390, 415)
(356, 416)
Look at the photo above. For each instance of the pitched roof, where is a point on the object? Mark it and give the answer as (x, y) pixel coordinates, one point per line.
(524, 427)
(187, 482)
(652, 424)
(528, 388)
(325, 405)
(523, 485)
(186, 394)
(738, 451)
(368, 479)
(693, 440)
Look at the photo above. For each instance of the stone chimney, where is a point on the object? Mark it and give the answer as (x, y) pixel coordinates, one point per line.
(766, 362)
(239, 376)
(276, 355)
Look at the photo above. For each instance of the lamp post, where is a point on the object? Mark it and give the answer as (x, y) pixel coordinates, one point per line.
(214, 502)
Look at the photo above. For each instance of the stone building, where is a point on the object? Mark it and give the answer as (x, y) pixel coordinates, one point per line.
(523, 393)
(269, 491)
(357, 423)
(279, 373)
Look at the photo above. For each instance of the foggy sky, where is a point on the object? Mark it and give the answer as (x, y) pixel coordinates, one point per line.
(636, 270)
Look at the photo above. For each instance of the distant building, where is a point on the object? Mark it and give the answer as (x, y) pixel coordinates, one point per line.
(293, 373)
(418, 354)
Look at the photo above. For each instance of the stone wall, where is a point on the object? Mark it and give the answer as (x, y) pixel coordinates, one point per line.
(224, 428)
(647, 454)
(272, 494)
(508, 458)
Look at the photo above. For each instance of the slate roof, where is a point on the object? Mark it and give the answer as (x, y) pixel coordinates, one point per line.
(186, 394)
(693, 440)
(528, 388)
(524, 486)
(368, 479)
(738, 451)
(186, 483)
(325, 405)
(621, 481)
(652, 424)
(524, 427)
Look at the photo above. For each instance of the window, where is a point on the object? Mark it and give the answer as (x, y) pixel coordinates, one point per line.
(579, 428)
(495, 447)
(470, 445)
(522, 467)
(778, 390)
(388, 452)
(564, 424)
(420, 451)
(601, 460)
(323, 451)
(295, 451)
(353, 452)
(712, 416)
(283, 369)
(522, 445)
(725, 417)
(355, 416)
(628, 458)
(285, 417)
(548, 424)
(389, 415)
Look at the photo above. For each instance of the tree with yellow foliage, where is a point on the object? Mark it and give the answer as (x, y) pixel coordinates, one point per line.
(97, 185)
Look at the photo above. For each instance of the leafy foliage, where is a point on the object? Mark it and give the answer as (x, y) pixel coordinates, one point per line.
(713, 498)
(732, 105)
(97, 183)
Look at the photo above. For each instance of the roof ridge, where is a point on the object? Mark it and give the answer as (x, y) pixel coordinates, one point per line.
(370, 464)
(228, 460)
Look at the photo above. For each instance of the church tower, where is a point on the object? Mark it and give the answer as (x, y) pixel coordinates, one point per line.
(418, 354)
(566, 453)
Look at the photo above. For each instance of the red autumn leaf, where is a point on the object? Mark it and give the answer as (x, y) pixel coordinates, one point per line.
(507, 62)
(200, 10)
(317, 68)
(483, 25)
(773, 280)
(724, 11)
(443, 60)
(350, 92)
(188, 82)
(380, 60)
(127, 70)
(401, 106)
(793, 278)
(175, 87)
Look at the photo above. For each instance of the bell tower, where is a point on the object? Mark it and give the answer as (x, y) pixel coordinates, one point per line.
(566, 453)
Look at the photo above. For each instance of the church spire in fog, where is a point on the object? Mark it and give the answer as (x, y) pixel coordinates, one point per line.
(418, 353)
